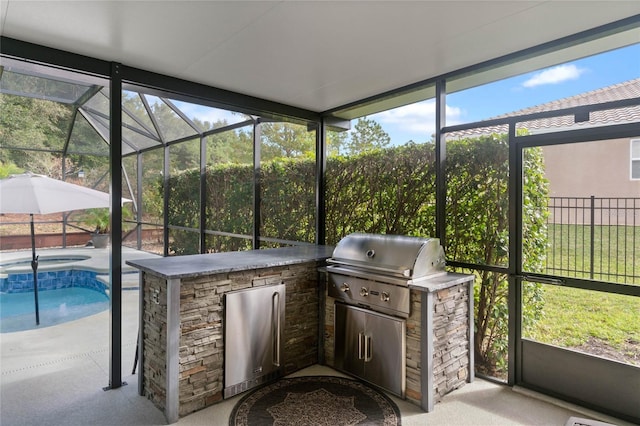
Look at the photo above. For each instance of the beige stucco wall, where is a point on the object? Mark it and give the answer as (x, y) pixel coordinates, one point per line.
(601, 169)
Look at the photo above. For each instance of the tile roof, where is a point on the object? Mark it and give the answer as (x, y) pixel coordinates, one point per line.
(626, 90)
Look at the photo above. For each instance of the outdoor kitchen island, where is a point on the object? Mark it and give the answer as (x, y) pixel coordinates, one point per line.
(182, 322)
(181, 342)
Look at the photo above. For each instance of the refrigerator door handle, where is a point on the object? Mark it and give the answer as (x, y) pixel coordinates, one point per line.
(367, 349)
(275, 306)
(360, 346)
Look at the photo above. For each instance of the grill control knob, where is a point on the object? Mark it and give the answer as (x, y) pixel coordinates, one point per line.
(364, 292)
(344, 287)
(384, 296)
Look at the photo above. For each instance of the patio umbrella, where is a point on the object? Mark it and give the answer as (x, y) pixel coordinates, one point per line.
(37, 194)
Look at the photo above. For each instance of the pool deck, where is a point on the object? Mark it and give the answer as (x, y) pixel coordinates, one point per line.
(98, 260)
(56, 375)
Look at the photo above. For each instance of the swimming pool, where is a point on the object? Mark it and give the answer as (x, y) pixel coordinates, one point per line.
(72, 269)
(17, 310)
(66, 291)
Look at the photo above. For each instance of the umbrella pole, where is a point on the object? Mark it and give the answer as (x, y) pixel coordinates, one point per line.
(34, 266)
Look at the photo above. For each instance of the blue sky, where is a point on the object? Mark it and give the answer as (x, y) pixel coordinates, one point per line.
(415, 122)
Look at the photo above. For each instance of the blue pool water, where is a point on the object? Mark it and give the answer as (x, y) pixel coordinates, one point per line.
(17, 310)
(62, 296)
(14, 282)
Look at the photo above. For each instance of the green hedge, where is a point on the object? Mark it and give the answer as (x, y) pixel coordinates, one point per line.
(388, 191)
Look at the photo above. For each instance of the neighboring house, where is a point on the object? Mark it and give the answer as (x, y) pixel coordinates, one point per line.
(608, 170)
(601, 169)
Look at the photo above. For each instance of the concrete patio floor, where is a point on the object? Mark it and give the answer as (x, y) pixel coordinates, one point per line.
(55, 376)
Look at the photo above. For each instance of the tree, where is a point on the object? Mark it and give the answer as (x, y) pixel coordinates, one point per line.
(287, 140)
(230, 147)
(38, 128)
(336, 142)
(367, 135)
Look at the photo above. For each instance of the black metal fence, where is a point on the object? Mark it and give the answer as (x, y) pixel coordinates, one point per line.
(596, 238)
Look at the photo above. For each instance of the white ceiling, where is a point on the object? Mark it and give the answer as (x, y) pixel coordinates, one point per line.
(316, 55)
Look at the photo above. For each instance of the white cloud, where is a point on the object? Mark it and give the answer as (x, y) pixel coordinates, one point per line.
(555, 75)
(416, 119)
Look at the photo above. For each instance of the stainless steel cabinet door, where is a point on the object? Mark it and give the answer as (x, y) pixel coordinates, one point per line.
(349, 338)
(371, 346)
(254, 321)
(385, 352)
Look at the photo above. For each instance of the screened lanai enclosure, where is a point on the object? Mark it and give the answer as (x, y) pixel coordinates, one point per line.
(167, 146)
(539, 199)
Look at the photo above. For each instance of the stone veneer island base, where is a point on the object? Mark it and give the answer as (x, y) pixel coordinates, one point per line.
(182, 319)
(181, 342)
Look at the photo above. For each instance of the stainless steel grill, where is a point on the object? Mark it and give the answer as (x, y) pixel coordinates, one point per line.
(375, 271)
(369, 276)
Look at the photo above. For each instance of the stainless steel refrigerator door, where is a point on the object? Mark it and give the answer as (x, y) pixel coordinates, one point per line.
(254, 324)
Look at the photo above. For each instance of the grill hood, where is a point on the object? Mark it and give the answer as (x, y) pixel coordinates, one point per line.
(395, 255)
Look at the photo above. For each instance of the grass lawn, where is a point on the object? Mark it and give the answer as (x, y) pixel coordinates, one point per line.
(616, 252)
(596, 322)
(583, 319)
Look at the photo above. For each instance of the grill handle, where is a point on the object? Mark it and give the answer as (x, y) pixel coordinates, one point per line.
(361, 347)
(405, 272)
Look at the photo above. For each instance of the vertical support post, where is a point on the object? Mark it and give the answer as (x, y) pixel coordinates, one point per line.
(115, 259)
(139, 211)
(321, 182)
(65, 215)
(441, 159)
(514, 298)
(257, 183)
(592, 237)
(165, 208)
(472, 366)
(321, 234)
(141, 307)
(203, 194)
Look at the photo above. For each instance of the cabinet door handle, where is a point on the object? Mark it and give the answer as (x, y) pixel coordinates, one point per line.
(360, 346)
(367, 349)
(276, 328)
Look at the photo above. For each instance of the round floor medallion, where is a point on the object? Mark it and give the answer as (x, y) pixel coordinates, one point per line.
(317, 401)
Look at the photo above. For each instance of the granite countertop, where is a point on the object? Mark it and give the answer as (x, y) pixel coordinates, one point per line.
(216, 263)
(448, 279)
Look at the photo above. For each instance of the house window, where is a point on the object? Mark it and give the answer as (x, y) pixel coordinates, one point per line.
(635, 159)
